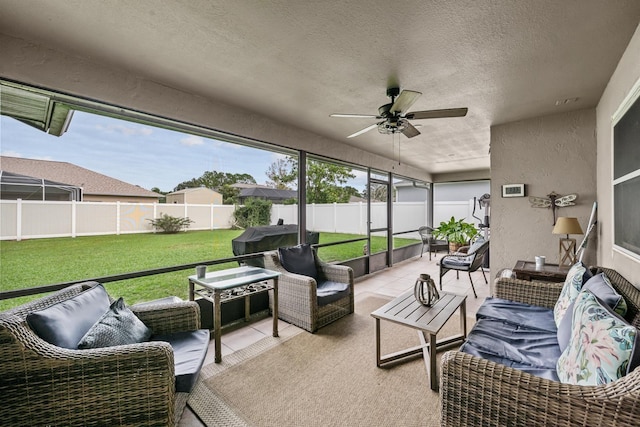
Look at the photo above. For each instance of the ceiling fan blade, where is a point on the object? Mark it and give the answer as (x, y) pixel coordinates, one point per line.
(404, 101)
(360, 132)
(437, 114)
(357, 116)
(409, 130)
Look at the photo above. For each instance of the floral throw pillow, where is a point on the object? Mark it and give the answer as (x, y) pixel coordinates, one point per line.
(577, 275)
(602, 345)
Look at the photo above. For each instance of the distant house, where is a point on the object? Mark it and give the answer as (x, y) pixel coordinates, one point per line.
(14, 186)
(95, 186)
(199, 195)
(407, 191)
(256, 191)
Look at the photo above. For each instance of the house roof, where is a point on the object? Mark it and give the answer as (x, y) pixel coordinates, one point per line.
(298, 62)
(191, 190)
(92, 183)
(268, 193)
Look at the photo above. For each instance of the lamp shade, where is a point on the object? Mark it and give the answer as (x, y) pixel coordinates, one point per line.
(567, 225)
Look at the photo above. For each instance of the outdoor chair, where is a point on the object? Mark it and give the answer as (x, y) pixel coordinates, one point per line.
(133, 384)
(311, 293)
(468, 258)
(430, 242)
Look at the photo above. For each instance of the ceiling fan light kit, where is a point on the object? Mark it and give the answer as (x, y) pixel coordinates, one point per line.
(394, 115)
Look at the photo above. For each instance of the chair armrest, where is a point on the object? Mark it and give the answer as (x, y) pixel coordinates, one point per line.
(474, 391)
(43, 384)
(169, 318)
(543, 294)
(335, 273)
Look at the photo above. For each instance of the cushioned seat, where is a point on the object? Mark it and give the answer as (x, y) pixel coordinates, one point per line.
(328, 292)
(531, 316)
(532, 347)
(189, 352)
(547, 373)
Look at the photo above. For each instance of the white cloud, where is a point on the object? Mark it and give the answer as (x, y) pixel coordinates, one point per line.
(126, 130)
(192, 140)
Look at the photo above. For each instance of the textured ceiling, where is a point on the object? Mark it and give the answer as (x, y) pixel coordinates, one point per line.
(299, 61)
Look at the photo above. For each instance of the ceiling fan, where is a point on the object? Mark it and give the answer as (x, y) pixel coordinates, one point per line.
(395, 116)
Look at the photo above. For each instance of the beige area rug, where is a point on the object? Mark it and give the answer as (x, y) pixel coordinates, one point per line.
(328, 378)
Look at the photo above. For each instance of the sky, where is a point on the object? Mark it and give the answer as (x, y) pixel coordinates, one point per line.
(138, 154)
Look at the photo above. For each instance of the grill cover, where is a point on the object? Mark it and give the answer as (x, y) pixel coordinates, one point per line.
(266, 238)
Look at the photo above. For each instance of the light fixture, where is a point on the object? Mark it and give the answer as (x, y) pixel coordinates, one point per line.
(567, 225)
(391, 126)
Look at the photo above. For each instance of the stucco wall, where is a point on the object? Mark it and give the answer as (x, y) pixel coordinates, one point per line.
(620, 85)
(551, 153)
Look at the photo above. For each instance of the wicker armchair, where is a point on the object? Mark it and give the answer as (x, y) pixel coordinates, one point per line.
(297, 298)
(478, 392)
(42, 384)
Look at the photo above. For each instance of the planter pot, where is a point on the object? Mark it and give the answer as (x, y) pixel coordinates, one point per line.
(453, 246)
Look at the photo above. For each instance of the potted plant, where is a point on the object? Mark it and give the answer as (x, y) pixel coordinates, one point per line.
(457, 232)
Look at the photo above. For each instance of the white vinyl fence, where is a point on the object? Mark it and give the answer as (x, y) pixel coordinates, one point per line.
(22, 219)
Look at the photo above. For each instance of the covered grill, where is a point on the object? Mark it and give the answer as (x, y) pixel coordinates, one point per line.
(265, 238)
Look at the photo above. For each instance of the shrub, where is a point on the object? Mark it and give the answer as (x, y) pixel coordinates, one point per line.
(254, 212)
(170, 224)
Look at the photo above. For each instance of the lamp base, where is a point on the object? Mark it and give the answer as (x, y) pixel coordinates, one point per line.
(567, 255)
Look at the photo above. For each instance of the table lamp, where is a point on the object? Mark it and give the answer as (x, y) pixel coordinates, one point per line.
(566, 225)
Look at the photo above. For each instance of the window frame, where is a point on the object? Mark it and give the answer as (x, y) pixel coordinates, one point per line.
(632, 98)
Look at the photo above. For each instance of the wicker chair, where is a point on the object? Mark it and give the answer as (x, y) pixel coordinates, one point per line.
(477, 392)
(297, 299)
(42, 384)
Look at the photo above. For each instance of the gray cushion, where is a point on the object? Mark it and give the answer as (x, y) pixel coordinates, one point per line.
(476, 245)
(65, 323)
(189, 351)
(328, 292)
(532, 347)
(118, 326)
(299, 260)
(599, 286)
(547, 373)
(531, 316)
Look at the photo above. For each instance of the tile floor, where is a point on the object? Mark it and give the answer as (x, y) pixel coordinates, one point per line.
(390, 282)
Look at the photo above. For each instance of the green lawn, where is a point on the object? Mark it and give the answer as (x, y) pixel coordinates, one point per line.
(37, 262)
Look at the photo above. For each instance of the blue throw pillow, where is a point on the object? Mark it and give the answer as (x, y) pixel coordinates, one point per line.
(65, 323)
(299, 260)
(118, 326)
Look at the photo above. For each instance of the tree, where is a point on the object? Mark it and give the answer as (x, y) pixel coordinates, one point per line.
(324, 180)
(220, 182)
(283, 174)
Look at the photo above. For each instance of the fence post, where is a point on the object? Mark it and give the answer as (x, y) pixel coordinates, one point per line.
(211, 217)
(117, 218)
(335, 217)
(73, 218)
(19, 220)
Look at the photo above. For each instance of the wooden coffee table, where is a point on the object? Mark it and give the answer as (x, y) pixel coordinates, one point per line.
(406, 310)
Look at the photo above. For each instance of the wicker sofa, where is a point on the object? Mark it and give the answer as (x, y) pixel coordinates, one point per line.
(43, 384)
(478, 392)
